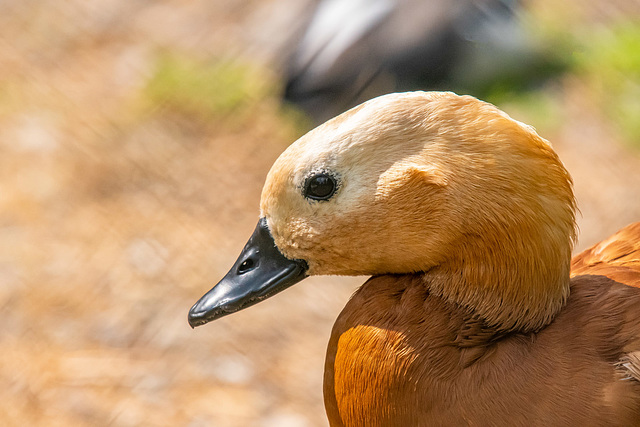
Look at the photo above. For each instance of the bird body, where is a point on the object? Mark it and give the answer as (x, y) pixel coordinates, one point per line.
(399, 356)
(475, 314)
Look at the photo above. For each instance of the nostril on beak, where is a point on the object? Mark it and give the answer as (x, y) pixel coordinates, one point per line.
(247, 265)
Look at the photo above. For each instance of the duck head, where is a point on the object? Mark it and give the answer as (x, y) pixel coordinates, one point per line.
(433, 183)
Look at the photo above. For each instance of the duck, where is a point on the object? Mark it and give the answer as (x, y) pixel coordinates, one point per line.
(475, 313)
(352, 50)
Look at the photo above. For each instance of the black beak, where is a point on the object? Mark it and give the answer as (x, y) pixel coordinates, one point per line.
(259, 272)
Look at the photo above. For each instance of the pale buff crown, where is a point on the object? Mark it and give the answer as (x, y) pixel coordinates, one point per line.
(435, 183)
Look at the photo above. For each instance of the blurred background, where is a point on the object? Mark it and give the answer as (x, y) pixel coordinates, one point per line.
(135, 136)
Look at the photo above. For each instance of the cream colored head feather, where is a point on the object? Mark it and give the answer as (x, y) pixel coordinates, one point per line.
(435, 183)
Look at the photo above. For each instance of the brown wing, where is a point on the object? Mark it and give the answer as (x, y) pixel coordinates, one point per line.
(617, 257)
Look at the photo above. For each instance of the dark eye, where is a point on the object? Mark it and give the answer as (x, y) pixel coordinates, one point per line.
(320, 186)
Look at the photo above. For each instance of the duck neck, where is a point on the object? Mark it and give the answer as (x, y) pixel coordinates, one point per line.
(511, 285)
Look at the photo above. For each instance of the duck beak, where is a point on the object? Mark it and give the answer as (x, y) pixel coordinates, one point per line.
(259, 272)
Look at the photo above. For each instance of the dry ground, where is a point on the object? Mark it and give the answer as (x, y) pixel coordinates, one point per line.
(121, 204)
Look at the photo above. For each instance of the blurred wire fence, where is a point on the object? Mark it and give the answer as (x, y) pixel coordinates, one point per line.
(134, 140)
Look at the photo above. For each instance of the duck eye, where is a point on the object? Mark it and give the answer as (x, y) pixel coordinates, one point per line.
(320, 186)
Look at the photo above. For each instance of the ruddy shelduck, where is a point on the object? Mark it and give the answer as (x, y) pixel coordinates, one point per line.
(475, 314)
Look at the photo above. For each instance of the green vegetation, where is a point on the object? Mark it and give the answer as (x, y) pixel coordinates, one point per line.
(605, 59)
(228, 91)
(207, 90)
(610, 64)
